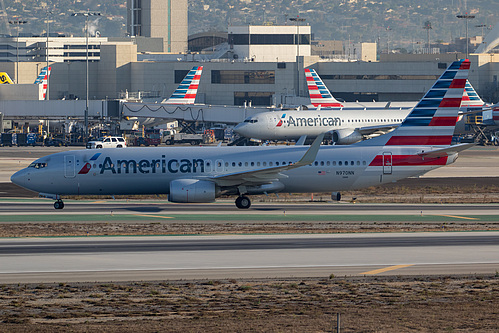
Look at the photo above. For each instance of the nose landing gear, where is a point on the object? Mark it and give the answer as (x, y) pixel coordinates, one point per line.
(59, 204)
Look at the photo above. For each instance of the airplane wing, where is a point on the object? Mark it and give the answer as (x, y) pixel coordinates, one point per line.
(446, 151)
(367, 130)
(267, 175)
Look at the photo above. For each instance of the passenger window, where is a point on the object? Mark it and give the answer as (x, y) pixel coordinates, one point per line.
(322, 163)
(252, 163)
(339, 163)
(233, 164)
(346, 162)
(334, 163)
(114, 139)
(264, 163)
(316, 163)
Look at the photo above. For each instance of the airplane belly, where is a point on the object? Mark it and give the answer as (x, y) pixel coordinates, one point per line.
(121, 185)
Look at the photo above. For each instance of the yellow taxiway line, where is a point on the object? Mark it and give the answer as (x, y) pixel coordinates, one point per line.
(386, 269)
(157, 216)
(459, 217)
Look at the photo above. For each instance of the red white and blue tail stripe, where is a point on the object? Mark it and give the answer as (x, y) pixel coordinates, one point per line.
(432, 121)
(470, 97)
(188, 88)
(43, 79)
(320, 96)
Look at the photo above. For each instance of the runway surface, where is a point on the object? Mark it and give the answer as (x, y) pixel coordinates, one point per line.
(72, 207)
(245, 256)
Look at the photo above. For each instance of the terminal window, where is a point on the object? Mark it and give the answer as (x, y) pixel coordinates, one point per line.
(242, 77)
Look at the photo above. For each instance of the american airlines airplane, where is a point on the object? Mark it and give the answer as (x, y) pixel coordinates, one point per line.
(185, 94)
(41, 79)
(345, 123)
(200, 174)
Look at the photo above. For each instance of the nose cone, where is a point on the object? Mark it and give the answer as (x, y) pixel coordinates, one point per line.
(241, 129)
(19, 178)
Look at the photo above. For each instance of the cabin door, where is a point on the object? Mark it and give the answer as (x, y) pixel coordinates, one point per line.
(69, 166)
(387, 163)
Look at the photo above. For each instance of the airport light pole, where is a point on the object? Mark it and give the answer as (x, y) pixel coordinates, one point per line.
(86, 15)
(466, 17)
(297, 19)
(17, 23)
(47, 55)
(427, 27)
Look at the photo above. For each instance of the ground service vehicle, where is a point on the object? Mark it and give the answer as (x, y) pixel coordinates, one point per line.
(193, 139)
(107, 142)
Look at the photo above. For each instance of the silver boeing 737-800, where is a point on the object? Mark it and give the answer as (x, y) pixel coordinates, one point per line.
(200, 174)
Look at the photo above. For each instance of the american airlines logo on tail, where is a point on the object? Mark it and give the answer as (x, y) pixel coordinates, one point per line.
(188, 88)
(319, 94)
(433, 119)
(43, 79)
(470, 97)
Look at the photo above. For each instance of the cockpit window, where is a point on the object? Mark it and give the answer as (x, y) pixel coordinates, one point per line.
(38, 165)
(251, 121)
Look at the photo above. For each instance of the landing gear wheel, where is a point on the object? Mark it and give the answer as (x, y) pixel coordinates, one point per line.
(59, 204)
(243, 202)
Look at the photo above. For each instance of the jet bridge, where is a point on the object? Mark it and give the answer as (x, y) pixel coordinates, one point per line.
(195, 112)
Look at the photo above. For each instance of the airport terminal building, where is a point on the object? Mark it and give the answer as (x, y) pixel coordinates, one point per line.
(258, 65)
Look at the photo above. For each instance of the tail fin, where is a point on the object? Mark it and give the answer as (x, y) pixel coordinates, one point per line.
(188, 88)
(5, 78)
(433, 119)
(43, 79)
(470, 97)
(320, 96)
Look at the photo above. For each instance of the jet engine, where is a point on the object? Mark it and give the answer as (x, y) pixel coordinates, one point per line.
(346, 136)
(192, 190)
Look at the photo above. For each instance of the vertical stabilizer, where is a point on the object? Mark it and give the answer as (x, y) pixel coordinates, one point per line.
(470, 97)
(187, 90)
(320, 96)
(5, 78)
(433, 119)
(43, 79)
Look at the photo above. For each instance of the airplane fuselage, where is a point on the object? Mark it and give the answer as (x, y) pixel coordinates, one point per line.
(292, 124)
(150, 170)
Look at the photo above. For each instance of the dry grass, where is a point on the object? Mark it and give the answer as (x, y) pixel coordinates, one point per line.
(366, 304)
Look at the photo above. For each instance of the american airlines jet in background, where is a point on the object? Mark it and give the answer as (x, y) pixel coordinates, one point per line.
(187, 90)
(345, 123)
(41, 79)
(185, 94)
(200, 174)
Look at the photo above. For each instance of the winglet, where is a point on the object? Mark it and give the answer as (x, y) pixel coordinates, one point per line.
(311, 153)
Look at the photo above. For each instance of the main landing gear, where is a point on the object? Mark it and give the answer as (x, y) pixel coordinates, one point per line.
(59, 204)
(243, 202)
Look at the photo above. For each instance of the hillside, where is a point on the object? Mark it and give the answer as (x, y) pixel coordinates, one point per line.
(394, 24)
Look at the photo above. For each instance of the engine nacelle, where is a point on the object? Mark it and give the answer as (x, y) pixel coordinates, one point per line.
(192, 190)
(346, 136)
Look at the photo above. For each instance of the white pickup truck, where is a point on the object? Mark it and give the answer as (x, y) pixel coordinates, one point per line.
(107, 142)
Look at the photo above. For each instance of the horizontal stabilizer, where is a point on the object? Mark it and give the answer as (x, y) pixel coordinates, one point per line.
(447, 151)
